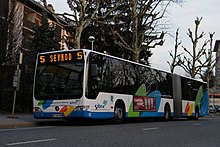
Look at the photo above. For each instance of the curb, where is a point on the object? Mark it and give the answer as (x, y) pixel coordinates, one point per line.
(16, 125)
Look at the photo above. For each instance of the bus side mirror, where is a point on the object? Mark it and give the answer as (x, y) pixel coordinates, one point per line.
(94, 68)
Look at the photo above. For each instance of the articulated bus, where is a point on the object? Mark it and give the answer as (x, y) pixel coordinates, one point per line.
(87, 84)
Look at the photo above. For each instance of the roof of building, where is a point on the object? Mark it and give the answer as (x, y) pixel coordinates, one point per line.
(36, 6)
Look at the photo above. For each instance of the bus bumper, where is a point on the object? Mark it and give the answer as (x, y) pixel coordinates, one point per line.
(74, 114)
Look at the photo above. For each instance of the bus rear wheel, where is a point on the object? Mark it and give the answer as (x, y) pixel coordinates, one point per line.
(119, 112)
(167, 113)
(196, 117)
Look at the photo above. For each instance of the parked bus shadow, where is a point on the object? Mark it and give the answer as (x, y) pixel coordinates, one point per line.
(93, 122)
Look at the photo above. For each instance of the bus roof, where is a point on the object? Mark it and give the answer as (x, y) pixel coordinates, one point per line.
(88, 51)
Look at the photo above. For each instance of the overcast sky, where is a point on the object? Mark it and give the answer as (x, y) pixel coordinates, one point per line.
(182, 18)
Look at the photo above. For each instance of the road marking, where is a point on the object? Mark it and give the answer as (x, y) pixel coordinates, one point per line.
(198, 124)
(28, 142)
(147, 129)
(30, 128)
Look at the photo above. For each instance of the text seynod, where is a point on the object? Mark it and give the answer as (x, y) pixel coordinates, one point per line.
(60, 57)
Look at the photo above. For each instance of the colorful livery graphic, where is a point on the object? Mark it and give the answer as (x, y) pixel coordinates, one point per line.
(89, 84)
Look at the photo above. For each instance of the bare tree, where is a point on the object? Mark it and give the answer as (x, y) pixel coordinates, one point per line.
(85, 12)
(195, 60)
(176, 57)
(146, 32)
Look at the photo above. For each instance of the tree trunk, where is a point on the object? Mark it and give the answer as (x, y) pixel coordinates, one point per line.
(78, 36)
(136, 55)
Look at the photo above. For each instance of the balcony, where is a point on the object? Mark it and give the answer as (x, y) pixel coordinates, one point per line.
(28, 24)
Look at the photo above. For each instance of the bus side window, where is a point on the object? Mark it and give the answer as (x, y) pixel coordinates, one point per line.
(94, 68)
(93, 81)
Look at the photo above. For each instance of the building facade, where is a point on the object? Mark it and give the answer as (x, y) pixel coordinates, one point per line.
(214, 95)
(17, 21)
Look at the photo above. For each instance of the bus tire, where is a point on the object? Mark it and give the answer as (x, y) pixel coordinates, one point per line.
(196, 117)
(167, 113)
(119, 112)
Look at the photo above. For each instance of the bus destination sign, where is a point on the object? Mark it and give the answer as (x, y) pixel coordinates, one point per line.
(60, 57)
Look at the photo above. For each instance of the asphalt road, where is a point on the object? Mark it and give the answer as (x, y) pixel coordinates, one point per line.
(204, 132)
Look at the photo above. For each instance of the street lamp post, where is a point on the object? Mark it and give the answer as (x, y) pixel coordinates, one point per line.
(91, 39)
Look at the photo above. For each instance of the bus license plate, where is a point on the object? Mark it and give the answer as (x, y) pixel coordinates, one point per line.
(57, 115)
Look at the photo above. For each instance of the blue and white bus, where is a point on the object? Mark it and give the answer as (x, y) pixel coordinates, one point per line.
(88, 84)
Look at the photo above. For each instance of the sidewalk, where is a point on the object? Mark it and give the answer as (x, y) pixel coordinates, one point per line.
(19, 120)
(26, 120)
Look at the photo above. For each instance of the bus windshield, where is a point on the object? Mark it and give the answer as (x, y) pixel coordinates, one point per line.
(59, 81)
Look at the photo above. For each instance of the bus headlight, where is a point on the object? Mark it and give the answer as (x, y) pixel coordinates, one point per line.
(81, 108)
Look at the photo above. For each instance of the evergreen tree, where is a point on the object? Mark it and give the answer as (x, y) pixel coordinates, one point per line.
(3, 40)
(45, 38)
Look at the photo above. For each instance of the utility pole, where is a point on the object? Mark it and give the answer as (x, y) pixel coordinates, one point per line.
(209, 63)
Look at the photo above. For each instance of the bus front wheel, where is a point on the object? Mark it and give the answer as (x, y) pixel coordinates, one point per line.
(119, 112)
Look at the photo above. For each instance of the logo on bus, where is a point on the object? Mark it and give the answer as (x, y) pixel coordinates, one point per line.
(101, 106)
